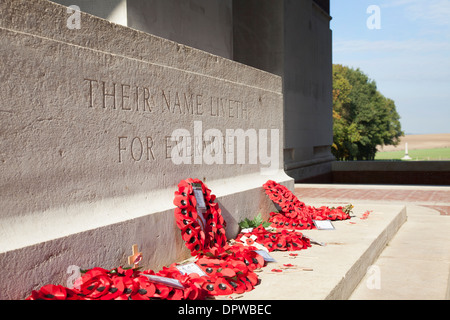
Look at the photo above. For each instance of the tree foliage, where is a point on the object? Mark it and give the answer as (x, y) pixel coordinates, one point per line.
(363, 117)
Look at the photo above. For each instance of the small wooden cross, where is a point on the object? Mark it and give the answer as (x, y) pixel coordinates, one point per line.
(135, 258)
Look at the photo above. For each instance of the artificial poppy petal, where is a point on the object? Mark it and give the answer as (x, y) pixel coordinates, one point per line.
(146, 289)
(228, 272)
(161, 291)
(49, 292)
(116, 289)
(175, 294)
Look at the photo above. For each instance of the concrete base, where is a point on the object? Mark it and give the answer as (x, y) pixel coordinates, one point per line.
(338, 267)
(33, 254)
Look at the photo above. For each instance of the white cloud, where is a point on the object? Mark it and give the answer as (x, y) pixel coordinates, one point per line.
(395, 3)
(433, 12)
(390, 46)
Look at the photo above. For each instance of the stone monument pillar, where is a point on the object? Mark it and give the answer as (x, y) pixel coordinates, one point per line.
(99, 125)
(293, 39)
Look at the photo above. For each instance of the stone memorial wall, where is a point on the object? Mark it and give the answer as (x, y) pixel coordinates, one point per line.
(98, 126)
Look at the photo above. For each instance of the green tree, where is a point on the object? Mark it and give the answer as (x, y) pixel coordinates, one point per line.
(363, 117)
(345, 134)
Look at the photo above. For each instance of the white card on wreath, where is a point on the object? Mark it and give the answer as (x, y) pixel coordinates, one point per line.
(198, 194)
(267, 257)
(190, 268)
(201, 206)
(323, 224)
(163, 280)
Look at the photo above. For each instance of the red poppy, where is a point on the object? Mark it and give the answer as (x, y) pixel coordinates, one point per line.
(181, 200)
(239, 285)
(161, 291)
(226, 272)
(94, 283)
(193, 287)
(218, 287)
(130, 288)
(175, 294)
(247, 255)
(145, 289)
(128, 272)
(233, 269)
(52, 292)
(252, 278)
(116, 288)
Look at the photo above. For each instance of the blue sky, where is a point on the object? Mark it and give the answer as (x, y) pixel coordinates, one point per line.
(408, 57)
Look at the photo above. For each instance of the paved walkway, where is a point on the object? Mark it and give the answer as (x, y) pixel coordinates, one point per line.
(416, 263)
(437, 198)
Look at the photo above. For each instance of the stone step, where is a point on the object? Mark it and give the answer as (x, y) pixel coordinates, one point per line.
(416, 263)
(333, 271)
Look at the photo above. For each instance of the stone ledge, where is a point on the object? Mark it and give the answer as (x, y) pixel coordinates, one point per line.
(387, 166)
(41, 250)
(391, 172)
(337, 267)
(49, 20)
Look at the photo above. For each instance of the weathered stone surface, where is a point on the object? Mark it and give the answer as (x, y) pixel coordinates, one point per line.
(293, 39)
(87, 162)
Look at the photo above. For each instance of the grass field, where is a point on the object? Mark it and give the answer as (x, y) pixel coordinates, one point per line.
(421, 141)
(426, 147)
(416, 155)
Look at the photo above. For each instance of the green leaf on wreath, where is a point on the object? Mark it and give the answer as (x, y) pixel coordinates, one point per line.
(256, 222)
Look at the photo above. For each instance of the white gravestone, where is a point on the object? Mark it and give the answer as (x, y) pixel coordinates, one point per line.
(406, 157)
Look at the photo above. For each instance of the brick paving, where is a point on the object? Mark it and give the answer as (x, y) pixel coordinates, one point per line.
(420, 245)
(444, 210)
(435, 198)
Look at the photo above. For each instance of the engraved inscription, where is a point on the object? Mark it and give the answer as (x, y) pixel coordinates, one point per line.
(136, 149)
(119, 96)
(126, 97)
(190, 104)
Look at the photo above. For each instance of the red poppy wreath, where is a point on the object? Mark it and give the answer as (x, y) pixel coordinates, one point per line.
(294, 214)
(228, 268)
(124, 284)
(283, 240)
(202, 230)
